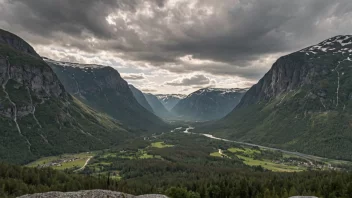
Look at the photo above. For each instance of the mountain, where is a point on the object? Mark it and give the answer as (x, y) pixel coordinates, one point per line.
(37, 116)
(158, 108)
(140, 98)
(208, 104)
(304, 103)
(170, 100)
(102, 88)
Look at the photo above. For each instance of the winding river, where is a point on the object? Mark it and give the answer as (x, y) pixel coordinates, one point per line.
(308, 157)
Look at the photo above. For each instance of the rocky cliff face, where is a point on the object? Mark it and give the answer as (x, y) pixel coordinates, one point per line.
(39, 83)
(208, 104)
(141, 98)
(16, 42)
(90, 194)
(303, 103)
(322, 67)
(37, 116)
(103, 89)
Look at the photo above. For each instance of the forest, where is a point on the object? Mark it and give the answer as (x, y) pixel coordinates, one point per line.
(180, 180)
(179, 167)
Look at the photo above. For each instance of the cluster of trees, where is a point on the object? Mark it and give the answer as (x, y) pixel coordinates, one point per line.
(183, 171)
(179, 181)
(16, 180)
(187, 170)
(155, 176)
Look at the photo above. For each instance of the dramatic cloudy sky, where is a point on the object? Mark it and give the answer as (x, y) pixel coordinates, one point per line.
(176, 46)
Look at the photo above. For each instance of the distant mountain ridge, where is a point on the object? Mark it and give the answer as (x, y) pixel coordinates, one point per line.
(102, 88)
(170, 100)
(303, 103)
(208, 104)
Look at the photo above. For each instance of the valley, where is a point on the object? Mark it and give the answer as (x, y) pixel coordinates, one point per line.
(253, 155)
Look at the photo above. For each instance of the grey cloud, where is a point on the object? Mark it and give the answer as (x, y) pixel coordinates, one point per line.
(147, 90)
(222, 69)
(232, 33)
(197, 79)
(133, 76)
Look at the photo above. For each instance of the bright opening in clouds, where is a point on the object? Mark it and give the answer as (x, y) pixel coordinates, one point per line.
(176, 46)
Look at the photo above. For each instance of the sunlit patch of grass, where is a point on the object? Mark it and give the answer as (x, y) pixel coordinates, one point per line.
(79, 161)
(215, 154)
(247, 151)
(161, 145)
(270, 165)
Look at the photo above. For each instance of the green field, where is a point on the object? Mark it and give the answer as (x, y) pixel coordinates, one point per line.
(247, 151)
(79, 161)
(276, 167)
(256, 157)
(160, 145)
(215, 154)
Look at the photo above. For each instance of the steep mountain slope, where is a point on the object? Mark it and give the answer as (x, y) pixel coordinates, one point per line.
(303, 103)
(37, 116)
(157, 106)
(140, 98)
(170, 100)
(103, 89)
(208, 104)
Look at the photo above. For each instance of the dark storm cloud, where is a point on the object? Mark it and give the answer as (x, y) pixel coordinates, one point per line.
(198, 79)
(45, 17)
(232, 33)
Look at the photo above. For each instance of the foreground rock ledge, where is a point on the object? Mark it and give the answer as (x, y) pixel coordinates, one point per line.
(90, 194)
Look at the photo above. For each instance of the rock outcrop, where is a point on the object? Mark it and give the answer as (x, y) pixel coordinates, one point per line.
(16, 42)
(90, 194)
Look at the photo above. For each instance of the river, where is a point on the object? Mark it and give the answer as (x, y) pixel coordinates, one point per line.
(308, 157)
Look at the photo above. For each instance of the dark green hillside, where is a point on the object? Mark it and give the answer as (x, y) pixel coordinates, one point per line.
(103, 89)
(158, 108)
(140, 98)
(304, 103)
(38, 117)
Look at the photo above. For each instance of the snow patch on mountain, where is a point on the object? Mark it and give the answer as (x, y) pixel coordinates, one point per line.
(338, 44)
(67, 64)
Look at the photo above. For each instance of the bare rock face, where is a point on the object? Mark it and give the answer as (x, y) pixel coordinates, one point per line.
(26, 81)
(324, 67)
(16, 42)
(90, 194)
(40, 84)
